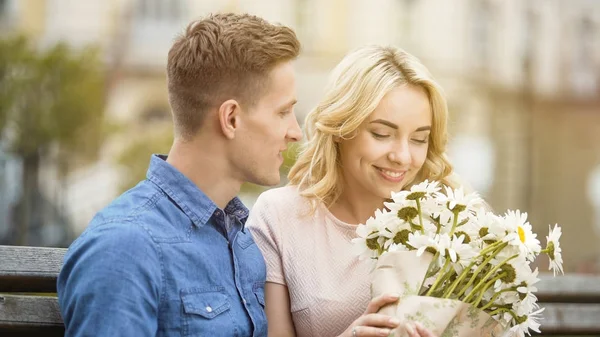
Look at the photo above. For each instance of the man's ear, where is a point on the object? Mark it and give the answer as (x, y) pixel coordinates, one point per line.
(229, 117)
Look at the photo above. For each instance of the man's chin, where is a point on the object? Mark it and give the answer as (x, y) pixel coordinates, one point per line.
(267, 181)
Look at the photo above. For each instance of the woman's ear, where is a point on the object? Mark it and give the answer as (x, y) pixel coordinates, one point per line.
(229, 113)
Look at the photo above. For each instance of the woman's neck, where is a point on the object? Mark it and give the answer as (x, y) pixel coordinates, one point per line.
(355, 209)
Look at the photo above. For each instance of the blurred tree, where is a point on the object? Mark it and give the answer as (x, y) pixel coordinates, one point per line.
(135, 158)
(51, 108)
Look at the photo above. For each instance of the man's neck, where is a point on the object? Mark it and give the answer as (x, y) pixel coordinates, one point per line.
(206, 167)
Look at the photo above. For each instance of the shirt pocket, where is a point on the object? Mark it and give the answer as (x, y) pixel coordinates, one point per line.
(260, 322)
(206, 312)
(260, 296)
(245, 239)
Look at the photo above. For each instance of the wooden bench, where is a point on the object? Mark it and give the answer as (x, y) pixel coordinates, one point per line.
(28, 304)
(572, 302)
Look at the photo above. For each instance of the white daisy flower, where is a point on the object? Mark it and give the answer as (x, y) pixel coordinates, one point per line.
(367, 243)
(453, 197)
(553, 249)
(422, 242)
(397, 248)
(526, 323)
(427, 187)
(520, 234)
(456, 250)
(394, 230)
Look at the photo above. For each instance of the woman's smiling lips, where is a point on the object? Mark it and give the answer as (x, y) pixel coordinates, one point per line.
(394, 176)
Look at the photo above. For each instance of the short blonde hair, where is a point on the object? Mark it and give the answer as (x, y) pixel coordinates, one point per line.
(223, 56)
(356, 86)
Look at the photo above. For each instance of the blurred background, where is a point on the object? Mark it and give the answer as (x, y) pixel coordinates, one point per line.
(83, 100)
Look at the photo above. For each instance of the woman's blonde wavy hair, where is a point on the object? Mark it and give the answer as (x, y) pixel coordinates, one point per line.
(356, 86)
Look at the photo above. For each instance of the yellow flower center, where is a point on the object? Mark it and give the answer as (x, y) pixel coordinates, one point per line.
(521, 234)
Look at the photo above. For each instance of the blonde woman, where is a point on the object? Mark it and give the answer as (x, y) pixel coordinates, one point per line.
(380, 128)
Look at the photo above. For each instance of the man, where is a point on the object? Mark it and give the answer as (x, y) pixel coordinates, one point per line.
(171, 257)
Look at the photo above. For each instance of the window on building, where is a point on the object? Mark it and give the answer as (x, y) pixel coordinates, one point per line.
(584, 75)
(159, 10)
(3, 5)
(530, 26)
(4, 8)
(406, 21)
(481, 32)
(306, 27)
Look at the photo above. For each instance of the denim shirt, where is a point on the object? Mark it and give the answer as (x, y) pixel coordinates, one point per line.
(164, 260)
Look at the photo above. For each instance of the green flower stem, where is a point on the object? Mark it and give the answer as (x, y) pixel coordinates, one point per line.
(488, 275)
(418, 200)
(487, 285)
(492, 303)
(460, 278)
(447, 276)
(495, 248)
(500, 310)
(439, 278)
(431, 264)
(454, 222)
(458, 283)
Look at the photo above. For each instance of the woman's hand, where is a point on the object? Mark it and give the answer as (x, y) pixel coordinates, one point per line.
(417, 329)
(371, 324)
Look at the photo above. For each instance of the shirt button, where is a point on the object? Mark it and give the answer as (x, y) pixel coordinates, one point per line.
(244, 300)
(208, 309)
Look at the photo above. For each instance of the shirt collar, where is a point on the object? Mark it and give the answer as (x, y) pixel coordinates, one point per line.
(188, 197)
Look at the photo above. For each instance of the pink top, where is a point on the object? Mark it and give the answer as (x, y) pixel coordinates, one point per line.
(329, 286)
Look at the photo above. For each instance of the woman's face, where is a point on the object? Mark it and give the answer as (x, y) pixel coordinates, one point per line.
(390, 147)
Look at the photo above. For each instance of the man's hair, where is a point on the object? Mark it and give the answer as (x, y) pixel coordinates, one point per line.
(221, 57)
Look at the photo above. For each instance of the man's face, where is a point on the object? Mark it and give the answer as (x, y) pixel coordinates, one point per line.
(267, 128)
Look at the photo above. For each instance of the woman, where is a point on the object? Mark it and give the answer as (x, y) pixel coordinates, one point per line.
(380, 128)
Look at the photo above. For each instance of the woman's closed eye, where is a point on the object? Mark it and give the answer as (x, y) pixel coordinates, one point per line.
(379, 135)
(420, 140)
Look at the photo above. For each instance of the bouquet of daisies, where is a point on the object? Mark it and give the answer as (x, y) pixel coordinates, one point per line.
(460, 270)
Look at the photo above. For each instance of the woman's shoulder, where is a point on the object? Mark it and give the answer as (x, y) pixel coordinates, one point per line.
(282, 202)
(282, 196)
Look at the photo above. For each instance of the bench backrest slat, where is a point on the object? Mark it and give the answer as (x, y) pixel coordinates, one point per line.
(574, 288)
(29, 269)
(27, 314)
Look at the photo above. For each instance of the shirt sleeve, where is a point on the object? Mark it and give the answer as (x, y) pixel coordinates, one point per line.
(110, 283)
(264, 224)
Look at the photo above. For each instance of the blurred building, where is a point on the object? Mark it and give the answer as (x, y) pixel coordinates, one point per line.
(522, 79)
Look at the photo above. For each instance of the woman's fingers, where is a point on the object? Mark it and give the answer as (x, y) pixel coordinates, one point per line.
(378, 320)
(422, 331)
(410, 329)
(381, 301)
(368, 331)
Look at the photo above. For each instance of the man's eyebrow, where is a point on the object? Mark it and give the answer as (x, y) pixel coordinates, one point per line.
(289, 104)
